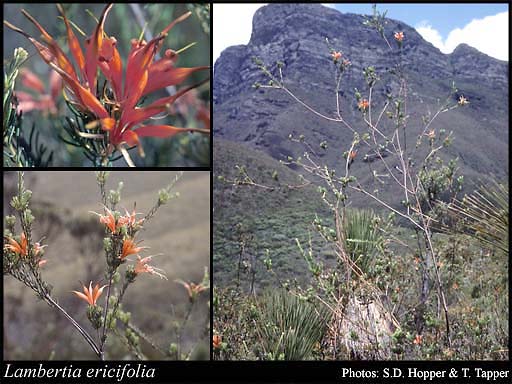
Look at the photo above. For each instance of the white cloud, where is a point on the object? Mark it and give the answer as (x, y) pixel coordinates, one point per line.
(232, 25)
(431, 35)
(489, 35)
(329, 5)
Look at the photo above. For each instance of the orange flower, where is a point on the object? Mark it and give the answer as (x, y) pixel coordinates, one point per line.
(192, 289)
(217, 341)
(143, 267)
(418, 339)
(129, 248)
(18, 248)
(336, 55)
(109, 220)
(129, 219)
(45, 102)
(463, 100)
(90, 295)
(143, 75)
(363, 104)
(399, 36)
(352, 155)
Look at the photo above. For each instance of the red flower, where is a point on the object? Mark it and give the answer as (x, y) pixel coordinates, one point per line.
(45, 102)
(217, 341)
(399, 36)
(109, 220)
(143, 76)
(203, 115)
(129, 248)
(18, 248)
(21, 247)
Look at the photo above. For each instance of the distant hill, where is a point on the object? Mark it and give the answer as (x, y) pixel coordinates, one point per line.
(273, 217)
(295, 34)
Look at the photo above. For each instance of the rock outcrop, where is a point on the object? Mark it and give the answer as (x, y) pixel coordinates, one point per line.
(296, 35)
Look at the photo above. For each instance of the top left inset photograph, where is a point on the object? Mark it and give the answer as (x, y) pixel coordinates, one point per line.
(106, 85)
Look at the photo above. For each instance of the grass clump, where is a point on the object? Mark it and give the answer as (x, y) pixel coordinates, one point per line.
(290, 327)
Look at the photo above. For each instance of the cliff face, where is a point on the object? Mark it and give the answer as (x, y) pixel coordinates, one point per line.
(296, 35)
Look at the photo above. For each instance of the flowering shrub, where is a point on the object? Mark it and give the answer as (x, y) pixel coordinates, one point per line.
(393, 285)
(24, 259)
(109, 115)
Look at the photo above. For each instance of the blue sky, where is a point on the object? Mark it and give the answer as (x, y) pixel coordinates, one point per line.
(483, 26)
(442, 17)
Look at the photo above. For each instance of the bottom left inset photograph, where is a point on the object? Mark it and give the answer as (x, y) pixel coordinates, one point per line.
(106, 265)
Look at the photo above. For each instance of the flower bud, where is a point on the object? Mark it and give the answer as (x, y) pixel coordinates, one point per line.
(10, 221)
(124, 317)
(163, 197)
(116, 278)
(114, 197)
(28, 217)
(101, 176)
(107, 244)
(111, 320)
(130, 274)
(112, 300)
(173, 349)
(26, 196)
(133, 339)
(94, 314)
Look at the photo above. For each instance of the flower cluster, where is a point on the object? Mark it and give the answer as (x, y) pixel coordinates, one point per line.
(43, 101)
(128, 225)
(20, 248)
(118, 116)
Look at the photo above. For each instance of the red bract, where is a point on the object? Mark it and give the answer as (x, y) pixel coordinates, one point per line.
(143, 75)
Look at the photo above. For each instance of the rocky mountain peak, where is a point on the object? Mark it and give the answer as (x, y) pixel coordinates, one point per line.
(296, 35)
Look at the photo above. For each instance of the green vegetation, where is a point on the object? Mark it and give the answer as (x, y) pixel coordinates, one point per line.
(473, 272)
(289, 327)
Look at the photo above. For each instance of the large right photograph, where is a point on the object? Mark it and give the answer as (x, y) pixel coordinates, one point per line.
(360, 193)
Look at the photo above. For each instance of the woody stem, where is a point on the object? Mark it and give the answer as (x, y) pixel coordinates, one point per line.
(180, 332)
(79, 328)
(104, 332)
